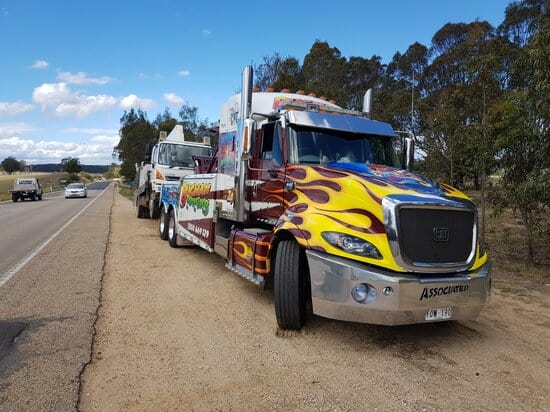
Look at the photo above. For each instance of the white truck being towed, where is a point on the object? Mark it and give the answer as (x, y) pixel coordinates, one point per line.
(172, 157)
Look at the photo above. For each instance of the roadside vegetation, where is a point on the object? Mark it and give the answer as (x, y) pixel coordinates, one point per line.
(50, 182)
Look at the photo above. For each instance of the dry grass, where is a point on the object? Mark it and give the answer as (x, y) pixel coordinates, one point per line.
(49, 182)
(505, 238)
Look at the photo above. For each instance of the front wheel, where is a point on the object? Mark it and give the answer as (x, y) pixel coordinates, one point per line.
(290, 285)
(39, 197)
(164, 222)
(172, 229)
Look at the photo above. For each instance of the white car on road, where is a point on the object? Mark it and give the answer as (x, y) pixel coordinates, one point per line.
(76, 190)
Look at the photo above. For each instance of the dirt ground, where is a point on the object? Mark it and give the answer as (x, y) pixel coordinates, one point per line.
(178, 331)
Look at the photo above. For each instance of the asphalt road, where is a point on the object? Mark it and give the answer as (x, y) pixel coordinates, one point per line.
(48, 306)
(27, 224)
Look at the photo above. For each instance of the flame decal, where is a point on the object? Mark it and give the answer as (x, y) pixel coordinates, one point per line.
(315, 195)
(300, 234)
(332, 174)
(372, 195)
(298, 208)
(297, 173)
(327, 183)
(346, 198)
(375, 227)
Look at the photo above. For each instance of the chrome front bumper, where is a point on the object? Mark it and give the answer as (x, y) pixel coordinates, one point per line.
(332, 279)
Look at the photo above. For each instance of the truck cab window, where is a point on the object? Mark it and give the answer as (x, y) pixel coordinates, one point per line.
(277, 150)
(322, 146)
(267, 141)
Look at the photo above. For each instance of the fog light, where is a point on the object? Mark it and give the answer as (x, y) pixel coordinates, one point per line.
(359, 292)
(387, 291)
(363, 293)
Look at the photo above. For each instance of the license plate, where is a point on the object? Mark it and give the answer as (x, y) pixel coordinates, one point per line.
(439, 313)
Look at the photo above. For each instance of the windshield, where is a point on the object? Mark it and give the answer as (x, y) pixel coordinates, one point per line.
(180, 155)
(317, 146)
(76, 186)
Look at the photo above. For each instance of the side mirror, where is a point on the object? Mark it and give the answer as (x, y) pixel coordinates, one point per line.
(248, 139)
(408, 153)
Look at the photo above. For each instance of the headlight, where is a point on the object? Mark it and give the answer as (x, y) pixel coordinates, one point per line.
(352, 244)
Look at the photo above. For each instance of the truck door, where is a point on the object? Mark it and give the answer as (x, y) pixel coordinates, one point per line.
(267, 188)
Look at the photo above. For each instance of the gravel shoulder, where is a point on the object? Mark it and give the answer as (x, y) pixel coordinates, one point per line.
(176, 330)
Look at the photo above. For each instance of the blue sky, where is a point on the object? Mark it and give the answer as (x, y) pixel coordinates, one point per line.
(69, 69)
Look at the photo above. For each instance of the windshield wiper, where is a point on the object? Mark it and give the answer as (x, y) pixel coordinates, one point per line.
(179, 164)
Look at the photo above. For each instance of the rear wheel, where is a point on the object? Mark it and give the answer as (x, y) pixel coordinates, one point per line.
(164, 222)
(142, 211)
(14, 198)
(172, 229)
(290, 285)
(154, 210)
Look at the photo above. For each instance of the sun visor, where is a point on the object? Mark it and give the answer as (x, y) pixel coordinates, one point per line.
(352, 124)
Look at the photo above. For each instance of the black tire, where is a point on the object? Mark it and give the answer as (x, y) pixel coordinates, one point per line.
(172, 229)
(14, 198)
(142, 212)
(154, 210)
(290, 285)
(39, 197)
(34, 197)
(163, 224)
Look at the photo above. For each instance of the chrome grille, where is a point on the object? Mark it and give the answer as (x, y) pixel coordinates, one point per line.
(435, 236)
(431, 234)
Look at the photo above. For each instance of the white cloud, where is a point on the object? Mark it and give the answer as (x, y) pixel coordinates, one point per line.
(184, 73)
(59, 98)
(40, 64)
(52, 94)
(62, 101)
(206, 32)
(82, 78)
(86, 105)
(14, 129)
(173, 99)
(83, 130)
(13, 108)
(132, 101)
(98, 150)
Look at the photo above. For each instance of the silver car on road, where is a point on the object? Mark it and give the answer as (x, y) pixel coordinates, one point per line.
(76, 190)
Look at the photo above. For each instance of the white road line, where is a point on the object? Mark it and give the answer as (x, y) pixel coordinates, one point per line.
(13, 271)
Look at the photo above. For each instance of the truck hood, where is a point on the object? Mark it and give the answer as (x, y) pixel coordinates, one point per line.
(386, 176)
(347, 198)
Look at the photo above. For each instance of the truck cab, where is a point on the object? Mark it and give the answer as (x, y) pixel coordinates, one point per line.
(171, 158)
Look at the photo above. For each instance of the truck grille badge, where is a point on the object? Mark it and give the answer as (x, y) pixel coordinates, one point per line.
(441, 234)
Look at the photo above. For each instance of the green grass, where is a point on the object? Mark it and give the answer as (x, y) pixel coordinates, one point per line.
(127, 192)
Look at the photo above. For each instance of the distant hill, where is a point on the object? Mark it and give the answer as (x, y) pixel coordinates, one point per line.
(54, 167)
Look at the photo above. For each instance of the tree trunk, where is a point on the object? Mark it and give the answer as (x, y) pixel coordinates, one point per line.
(529, 234)
(482, 204)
